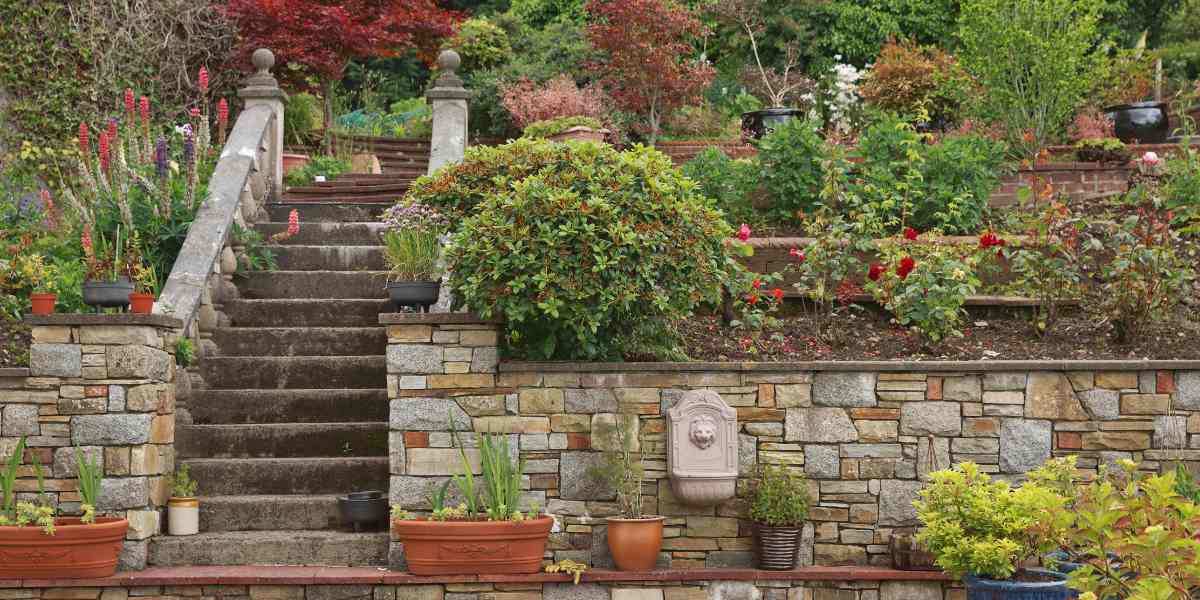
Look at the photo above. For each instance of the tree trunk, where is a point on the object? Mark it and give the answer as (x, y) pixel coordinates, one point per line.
(327, 101)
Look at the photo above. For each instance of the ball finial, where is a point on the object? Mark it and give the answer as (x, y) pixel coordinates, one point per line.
(263, 59)
(449, 61)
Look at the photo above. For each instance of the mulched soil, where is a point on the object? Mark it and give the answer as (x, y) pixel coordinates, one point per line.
(14, 343)
(868, 335)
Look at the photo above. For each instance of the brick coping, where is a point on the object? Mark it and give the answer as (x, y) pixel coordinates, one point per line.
(14, 372)
(932, 366)
(287, 575)
(65, 319)
(432, 319)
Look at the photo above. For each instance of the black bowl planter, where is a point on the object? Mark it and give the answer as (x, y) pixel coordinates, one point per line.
(1030, 584)
(107, 294)
(756, 125)
(775, 547)
(1140, 122)
(361, 510)
(415, 294)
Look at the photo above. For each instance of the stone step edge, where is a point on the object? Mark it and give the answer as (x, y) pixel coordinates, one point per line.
(293, 575)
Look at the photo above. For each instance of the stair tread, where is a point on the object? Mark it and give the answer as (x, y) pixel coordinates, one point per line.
(271, 547)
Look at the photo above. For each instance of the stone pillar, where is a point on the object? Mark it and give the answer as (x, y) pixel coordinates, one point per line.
(262, 88)
(448, 102)
(439, 367)
(103, 383)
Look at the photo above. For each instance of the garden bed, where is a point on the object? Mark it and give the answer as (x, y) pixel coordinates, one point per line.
(867, 335)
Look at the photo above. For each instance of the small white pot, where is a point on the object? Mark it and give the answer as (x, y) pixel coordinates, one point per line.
(183, 516)
(319, 178)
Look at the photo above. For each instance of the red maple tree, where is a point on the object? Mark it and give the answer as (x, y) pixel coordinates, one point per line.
(318, 38)
(647, 44)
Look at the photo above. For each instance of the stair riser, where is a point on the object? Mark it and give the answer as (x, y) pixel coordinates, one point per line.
(233, 478)
(330, 258)
(306, 313)
(269, 513)
(300, 342)
(315, 439)
(288, 406)
(242, 373)
(326, 234)
(340, 213)
(363, 550)
(314, 284)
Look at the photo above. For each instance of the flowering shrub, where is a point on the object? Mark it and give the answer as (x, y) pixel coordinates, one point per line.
(412, 241)
(976, 526)
(528, 102)
(654, 249)
(836, 102)
(1047, 263)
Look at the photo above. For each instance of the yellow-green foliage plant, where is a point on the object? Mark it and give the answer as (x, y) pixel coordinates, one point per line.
(985, 528)
(1149, 525)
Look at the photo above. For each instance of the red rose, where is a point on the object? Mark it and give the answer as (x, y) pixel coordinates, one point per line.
(752, 299)
(906, 266)
(875, 271)
(757, 284)
(910, 233)
(743, 232)
(989, 240)
(798, 255)
(778, 294)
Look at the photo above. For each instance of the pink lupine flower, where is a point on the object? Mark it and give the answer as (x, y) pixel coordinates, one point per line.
(129, 100)
(195, 112)
(84, 142)
(145, 106)
(112, 130)
(85, 240)
(293, 222)
(202, 80)
(48, 209)
(104, 157)
(222, 112)
(743, 232)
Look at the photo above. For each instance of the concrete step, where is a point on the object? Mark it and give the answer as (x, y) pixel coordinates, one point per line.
(241, 476)
(290, 547)
(395, 183)
(306, 312)
(268, 513)
(281, 440)
(317, 212)
(314, 284)
(300, 341)
(329, 258)
(287, 406)
(326, 234)
(294, 372)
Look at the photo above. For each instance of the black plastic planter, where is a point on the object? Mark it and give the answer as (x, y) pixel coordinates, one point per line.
(107, 294)
(414, 294)
(1140, 122)
(756, 125)
(364, 510)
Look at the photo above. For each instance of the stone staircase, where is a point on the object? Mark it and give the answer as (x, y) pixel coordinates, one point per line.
(293, 411)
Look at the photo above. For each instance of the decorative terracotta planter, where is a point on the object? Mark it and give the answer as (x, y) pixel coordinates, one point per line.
(292, 162)
(43, 304)
(75, 551)
(470, 547)
(580, 134)
(634, 543)
(183, 516)
(142, 304)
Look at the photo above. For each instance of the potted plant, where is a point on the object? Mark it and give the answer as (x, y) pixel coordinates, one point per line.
(1136, 120)
(145, 280)
(1102, 150)
(412, 245)
(983, 531)
(183, 509)
(40, 277)
(634, 539)
(56, 547)
(778, 507)
(578, 128)
(106, 285)
(486, 533)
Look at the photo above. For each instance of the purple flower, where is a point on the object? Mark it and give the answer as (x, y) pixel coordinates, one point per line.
(189, 148)
(415, 216)
(160, 158)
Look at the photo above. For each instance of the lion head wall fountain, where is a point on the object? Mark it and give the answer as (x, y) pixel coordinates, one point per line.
(702, 455)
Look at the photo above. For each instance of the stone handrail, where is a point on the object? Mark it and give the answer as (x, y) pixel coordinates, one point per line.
(247, 171)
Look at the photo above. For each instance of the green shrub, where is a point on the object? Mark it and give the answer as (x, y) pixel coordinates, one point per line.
(976, 526)
(1035, 60)
(304, 118)
(780, 498)
(729, 184)
(791, 158)
(552, 127)
(577, 246)
(329, 166)
(481, 44)
(1101, 150)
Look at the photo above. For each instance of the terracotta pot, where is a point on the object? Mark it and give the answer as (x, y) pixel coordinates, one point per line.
(43, 304)
(634, 543)
(183, 516)
(292, 162)
(469, 547)
(75, 551)
(142, 304)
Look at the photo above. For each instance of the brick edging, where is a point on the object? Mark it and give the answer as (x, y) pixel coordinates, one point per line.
(932, 366)
(257, 575)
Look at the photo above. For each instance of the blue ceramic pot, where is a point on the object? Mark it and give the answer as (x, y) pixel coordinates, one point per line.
(1045, 585)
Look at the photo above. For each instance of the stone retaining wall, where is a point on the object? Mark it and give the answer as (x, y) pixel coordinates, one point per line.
(865, 434)
(103, 383)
